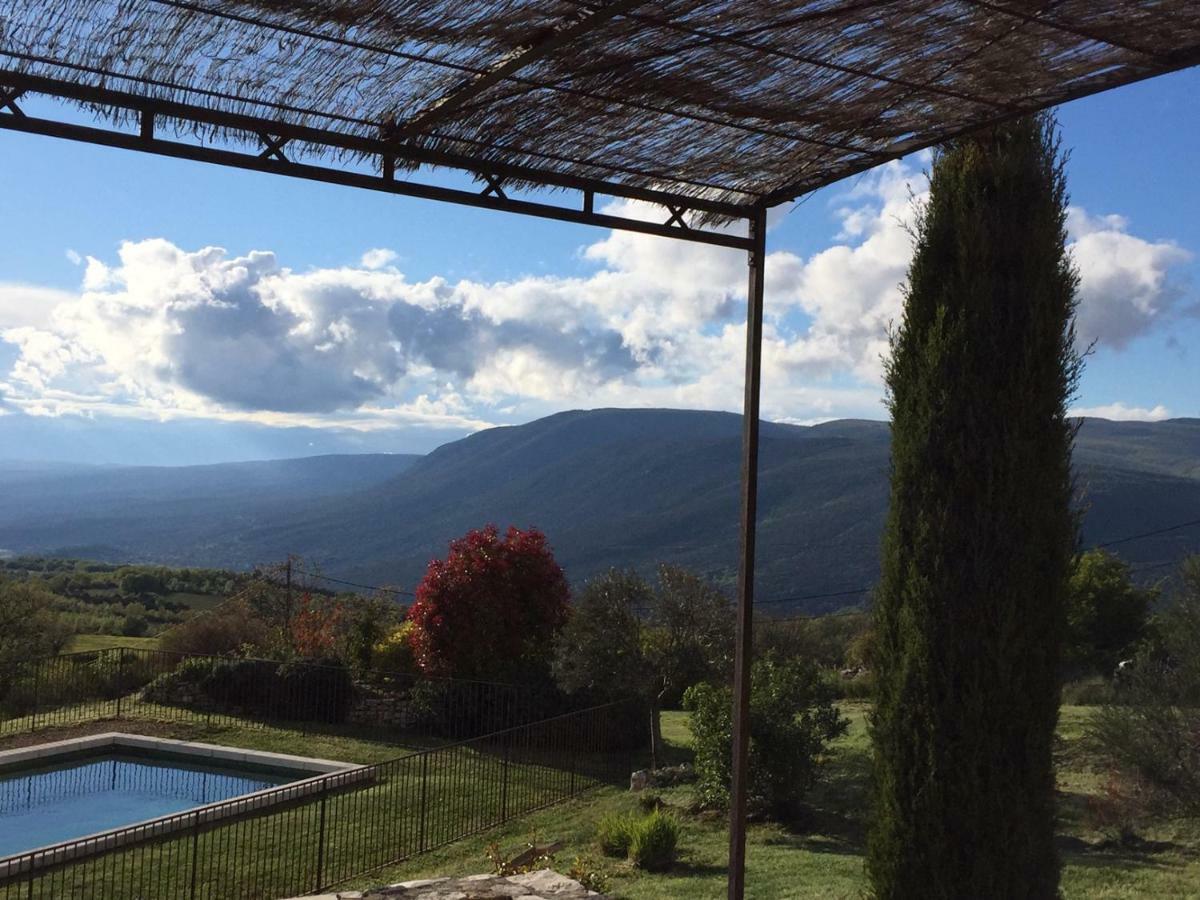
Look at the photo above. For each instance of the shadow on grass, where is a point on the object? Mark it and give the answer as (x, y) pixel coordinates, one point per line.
(685, 869)
(834, 819)
(1128, 854)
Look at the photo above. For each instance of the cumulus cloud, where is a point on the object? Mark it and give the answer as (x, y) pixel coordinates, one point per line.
(163, 331)
(378, 258)
(1125, 284)
(1121, 412)
(27, 305)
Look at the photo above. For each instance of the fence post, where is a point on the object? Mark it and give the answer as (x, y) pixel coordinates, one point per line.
(195, 851)
(120, 678)
(321, 842)
(423, 807)
(572, 738)
(504, 778)
(37, 693)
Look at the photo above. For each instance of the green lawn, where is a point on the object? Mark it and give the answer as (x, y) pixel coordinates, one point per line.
(81, 642)
(823, 858)
(413, 801)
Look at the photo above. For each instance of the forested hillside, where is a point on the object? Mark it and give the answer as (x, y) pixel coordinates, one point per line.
(609, 487)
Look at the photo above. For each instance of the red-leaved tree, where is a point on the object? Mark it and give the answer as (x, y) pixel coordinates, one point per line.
(491, 608)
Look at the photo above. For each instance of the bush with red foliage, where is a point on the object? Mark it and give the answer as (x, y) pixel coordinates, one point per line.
(314, 627)
(491, 608)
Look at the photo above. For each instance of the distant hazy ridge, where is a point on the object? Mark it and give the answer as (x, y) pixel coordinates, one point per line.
(609, 487)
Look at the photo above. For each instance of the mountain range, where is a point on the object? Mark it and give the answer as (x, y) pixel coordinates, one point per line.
(610, 487)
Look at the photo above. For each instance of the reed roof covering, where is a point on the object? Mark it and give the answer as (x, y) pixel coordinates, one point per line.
(746, 102)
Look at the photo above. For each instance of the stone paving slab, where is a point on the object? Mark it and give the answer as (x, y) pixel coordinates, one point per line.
(544, 884)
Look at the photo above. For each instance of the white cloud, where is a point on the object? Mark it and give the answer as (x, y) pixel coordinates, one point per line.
(1125, 282)
(27, 305)
(163, 331)
(1120, 412)
(378, 258)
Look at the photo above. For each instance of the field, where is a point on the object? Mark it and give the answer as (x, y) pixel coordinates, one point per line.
(81, 642)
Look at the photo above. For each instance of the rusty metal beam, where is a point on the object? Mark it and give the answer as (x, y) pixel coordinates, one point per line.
(744, 648)
(274, 133)
(256, 162)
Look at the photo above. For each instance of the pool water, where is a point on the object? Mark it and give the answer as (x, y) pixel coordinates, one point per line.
(71, 800)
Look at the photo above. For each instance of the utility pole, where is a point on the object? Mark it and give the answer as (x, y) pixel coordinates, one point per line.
(288, 594)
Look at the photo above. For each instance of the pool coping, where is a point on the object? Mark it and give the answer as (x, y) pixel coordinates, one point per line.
(331, 775)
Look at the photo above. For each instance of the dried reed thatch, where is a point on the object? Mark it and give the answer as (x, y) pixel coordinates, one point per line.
(741, 101)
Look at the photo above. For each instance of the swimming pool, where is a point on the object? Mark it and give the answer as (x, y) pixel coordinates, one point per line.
(54, 795)
(108, 790)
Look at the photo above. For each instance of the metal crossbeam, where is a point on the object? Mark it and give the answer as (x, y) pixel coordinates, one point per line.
(274, 148)
(8, 100)
(494, 186)
(275, 135)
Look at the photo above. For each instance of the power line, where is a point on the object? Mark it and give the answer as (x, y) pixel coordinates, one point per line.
(366, 587)
(1146, 534)
(801, 598)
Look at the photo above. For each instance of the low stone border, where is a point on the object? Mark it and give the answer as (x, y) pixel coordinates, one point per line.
(545, 884)
(332, 776)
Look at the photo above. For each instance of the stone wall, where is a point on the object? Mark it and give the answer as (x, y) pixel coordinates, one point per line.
(376, 708)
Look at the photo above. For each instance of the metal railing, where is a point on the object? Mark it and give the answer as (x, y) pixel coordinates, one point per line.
(342, 827)
(140, 683)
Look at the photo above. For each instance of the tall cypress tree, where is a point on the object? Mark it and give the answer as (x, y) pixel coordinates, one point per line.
(970, 611)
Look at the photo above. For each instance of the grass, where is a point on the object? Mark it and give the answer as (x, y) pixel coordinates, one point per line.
(821, 857)
(81, 642)
(413, 801)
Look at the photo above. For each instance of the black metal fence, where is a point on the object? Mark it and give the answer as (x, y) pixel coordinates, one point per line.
(133, 682)
(345, 827)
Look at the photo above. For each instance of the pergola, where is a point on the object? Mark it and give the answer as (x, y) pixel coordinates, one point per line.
(708, 112)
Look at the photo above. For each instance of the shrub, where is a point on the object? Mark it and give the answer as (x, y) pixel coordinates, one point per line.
(588, 875)
(394, 652)
(1149, 731)
(792, 720)
(314, 627)
(165, 688)
(1106, 613)
(135, 625)
(653, 841)
(317, 690)
(491, 609)
(224, 630)
(614, 833)
(650, 802)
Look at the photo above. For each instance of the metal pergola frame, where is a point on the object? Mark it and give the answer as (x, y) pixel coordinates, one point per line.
(270, 156)
(376, 163)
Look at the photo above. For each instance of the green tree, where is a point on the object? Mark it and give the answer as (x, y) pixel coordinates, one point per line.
(623, 639)
(980, 535)
(29, 624)
(1150, 730)
(599, 651)
(1106, 613)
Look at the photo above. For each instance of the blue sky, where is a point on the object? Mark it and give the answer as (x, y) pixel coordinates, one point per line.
(161, 311)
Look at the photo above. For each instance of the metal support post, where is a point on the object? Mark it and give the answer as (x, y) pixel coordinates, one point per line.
(745, 585)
